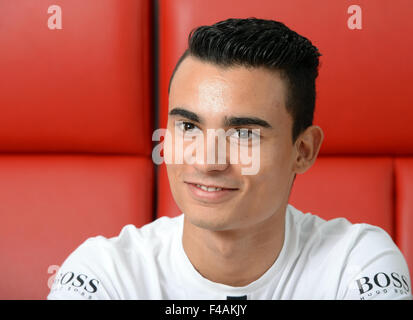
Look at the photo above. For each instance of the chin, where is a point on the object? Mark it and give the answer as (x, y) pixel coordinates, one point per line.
(211, 218)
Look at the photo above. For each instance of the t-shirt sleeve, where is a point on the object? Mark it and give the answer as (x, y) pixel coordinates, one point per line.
(376, 268)
(81, 276)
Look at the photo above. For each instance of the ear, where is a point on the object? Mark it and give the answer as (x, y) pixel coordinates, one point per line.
(307, 146)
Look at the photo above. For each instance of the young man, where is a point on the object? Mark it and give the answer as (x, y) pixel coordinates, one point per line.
(238, 237)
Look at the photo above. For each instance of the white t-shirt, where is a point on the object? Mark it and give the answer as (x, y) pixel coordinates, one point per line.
(319, 260)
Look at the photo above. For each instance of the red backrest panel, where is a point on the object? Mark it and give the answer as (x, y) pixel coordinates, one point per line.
(83, 88)
(50, 204)
(364, 74)
(357, 188)
(363, 101)
(75, 131)
(404, 207)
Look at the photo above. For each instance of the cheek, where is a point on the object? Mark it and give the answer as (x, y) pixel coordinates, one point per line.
(275, 170)
(173, 147)
(173, 167)
(175, 182)
(171, 171)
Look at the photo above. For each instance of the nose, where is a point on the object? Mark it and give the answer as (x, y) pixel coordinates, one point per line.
(211, 152)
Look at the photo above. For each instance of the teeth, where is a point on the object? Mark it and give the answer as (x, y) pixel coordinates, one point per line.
(209, 189)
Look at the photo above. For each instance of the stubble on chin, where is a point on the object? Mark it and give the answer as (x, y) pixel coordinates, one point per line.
(211, 222)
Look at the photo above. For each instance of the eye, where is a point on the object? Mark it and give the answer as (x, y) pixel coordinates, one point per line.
(244, 134)
(186, 126)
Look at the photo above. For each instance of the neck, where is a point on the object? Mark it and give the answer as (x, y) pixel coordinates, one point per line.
(235, 257)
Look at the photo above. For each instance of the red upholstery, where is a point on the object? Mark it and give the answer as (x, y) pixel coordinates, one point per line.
(363, 104)
(362, 73)
(84, 88)
(52, 203)
(404, 207)
(360, 189)
(75, 132)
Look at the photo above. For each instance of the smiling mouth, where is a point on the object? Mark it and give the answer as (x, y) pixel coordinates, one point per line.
(211, 194)
(210, 188)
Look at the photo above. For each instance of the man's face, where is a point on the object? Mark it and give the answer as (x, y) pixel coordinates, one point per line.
(213, 97)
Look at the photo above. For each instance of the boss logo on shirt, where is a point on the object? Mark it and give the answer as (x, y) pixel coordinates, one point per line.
(382, 283)
(80, 283)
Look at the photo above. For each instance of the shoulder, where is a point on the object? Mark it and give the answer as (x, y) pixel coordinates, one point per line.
(376, 268)
(131, 238)
(100, 266)
(315, 233)
(361, 237)
(361, 259)
(145, 238)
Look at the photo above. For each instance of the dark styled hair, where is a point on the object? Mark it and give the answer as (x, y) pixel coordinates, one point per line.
(256, 42)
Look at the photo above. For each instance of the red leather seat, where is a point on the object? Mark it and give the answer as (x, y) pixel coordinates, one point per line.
(404, 206)
(364, 171)
(75, 132)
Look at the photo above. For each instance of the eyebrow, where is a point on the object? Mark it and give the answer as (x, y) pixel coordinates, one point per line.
(229, 122)
(246, 121)
(185, 113)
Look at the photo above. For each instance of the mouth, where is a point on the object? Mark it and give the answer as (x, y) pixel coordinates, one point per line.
(210, 193)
